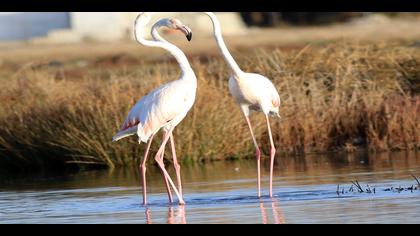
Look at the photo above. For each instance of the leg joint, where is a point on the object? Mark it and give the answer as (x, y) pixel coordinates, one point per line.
(273, 150)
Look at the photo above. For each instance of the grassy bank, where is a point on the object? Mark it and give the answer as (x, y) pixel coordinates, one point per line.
(335, 97)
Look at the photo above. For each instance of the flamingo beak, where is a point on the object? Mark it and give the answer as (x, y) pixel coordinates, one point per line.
(189, 36)
(187, 31)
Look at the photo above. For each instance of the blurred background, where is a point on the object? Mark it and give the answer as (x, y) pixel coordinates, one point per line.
(65, 27)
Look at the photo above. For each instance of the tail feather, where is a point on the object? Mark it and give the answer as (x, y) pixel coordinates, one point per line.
(124, 134)
(132, 131)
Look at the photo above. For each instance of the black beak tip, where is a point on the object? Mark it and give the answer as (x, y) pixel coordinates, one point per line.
(189, 36)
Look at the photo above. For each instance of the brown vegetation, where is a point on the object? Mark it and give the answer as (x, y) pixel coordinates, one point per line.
(336, 97)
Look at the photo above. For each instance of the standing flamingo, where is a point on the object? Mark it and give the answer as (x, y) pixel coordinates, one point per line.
(252, 92)
(164, 107)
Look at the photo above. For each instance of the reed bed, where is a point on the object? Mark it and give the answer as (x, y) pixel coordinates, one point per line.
(341, 96)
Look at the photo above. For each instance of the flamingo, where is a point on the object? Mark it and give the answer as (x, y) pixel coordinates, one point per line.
(252, 92)
(164, 107)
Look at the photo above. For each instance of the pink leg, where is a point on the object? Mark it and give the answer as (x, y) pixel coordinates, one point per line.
(176, 164)
(162, 167)
(272, 154)
(143, 171)
(258, 155)
(168, 188)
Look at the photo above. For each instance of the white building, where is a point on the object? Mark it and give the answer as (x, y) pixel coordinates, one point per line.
(66, 27)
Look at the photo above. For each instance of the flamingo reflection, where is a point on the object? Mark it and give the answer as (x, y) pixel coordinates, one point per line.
(173, 217)
(277, 213)
(178, 217)
(148, 216)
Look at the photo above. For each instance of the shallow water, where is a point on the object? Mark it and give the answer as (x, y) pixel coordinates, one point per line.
(225, 192)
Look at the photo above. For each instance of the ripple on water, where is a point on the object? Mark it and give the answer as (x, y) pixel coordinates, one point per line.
(215, 194)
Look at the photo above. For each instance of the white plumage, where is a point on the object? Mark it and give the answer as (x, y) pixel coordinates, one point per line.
(164, 107)
(252, 92)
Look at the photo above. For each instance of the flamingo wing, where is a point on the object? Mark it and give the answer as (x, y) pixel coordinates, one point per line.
(156, 109)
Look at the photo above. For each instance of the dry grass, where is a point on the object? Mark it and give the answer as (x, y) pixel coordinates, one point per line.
(337, 97)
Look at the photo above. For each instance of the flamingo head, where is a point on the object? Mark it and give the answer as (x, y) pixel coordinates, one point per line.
(176, 24)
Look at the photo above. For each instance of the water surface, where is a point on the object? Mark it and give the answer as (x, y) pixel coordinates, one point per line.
(225, 192)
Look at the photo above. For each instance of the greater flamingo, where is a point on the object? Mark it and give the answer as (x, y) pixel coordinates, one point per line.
(252, 92)
(164, 107)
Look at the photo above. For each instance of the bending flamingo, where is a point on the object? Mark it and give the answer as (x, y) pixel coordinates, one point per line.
(252, 92)
(164, 107)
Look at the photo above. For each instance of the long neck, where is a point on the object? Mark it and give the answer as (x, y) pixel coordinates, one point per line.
(175, 51)
(155, 34)
(221, 44)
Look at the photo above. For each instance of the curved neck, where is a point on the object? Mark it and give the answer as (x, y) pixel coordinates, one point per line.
(161, 43)
(155, 34)
(221, 44)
